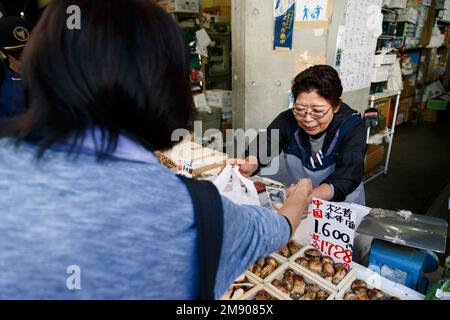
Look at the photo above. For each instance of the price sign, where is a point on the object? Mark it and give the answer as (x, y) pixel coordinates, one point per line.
(333, 229)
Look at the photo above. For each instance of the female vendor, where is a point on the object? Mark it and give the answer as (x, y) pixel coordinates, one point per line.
(321, 138)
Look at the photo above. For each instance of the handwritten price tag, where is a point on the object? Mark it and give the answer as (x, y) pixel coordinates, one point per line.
(333, 230)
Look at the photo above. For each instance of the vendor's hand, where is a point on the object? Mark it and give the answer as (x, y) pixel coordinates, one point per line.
(247, 167)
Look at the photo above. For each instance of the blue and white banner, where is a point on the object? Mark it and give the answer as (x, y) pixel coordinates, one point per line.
(284, 23)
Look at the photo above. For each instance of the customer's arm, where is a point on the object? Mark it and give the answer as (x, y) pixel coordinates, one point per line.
(252, 232)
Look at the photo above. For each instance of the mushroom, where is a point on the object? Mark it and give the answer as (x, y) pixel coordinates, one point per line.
(277, 284)
(315, 266)
(339, 276)
(361, 292)
(284, 252)
(293, 247)
(375, 294)
(322, 295)
(309, 295)
(302, 262)
(262, 295)
(327, 259)
(359, 283)
(313, 254)
(272, 264)
(395, 298)
(340, 266)
(350, 296)
(312, 287)
(288, 280)
(237, 294)
(328, 270)
(299, 287)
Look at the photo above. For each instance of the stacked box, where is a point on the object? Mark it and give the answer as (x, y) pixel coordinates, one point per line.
(394, 4)
(408, 15)
(406, 29)
(415, 3)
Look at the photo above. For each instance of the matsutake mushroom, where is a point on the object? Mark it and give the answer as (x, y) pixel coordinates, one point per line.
(375, 294)
(350, 296)
(272, 264)
(313, 254)
(277, 284)
(298, 289)
(302, 261)
(315, 266)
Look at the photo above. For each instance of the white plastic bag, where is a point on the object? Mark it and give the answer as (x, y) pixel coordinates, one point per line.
(237, 188)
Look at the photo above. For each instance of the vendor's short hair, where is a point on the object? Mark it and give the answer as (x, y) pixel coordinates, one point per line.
(322, 79)
(125, 71)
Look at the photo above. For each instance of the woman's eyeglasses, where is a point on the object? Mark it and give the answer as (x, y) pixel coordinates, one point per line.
(316, 115)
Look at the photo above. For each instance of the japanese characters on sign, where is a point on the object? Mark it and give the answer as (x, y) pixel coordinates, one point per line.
(333, 230)
(284, 23)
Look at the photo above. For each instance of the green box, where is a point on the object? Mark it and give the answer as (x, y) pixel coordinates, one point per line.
(437, 104)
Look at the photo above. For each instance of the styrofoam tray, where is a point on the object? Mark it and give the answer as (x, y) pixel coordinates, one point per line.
(318, 278)
(278, 274)
(280, 261)
(374, 280)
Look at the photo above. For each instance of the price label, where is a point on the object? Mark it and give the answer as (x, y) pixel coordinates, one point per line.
(333, 231)
(185, 168)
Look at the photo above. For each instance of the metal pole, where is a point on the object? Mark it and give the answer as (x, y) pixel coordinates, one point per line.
(391, 132)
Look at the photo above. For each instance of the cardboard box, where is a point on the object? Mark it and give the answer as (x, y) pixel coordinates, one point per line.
(409, 89)
(374, 157)
(185, 6)
(406, 108)
(429, 115)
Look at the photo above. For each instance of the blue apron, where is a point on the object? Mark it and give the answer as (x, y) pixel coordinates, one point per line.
(298, 164)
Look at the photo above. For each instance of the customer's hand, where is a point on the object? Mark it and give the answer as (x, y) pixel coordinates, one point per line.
(295, 207)
(247, 167)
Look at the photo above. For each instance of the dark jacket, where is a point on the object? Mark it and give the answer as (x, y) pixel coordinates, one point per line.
(349, 160)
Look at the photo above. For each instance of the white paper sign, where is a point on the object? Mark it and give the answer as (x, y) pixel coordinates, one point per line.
(330, 228)
(311, 10)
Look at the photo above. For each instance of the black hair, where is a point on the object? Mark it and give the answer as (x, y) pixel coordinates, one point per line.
(322, 79)
(126, 71)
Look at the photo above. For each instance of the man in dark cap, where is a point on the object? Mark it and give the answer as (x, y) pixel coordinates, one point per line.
(14, 34)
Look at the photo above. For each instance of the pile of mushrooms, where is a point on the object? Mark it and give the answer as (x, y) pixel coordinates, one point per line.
(324, 266)
(264, 267)
(289, 250)
(295, 286)
(360, 291)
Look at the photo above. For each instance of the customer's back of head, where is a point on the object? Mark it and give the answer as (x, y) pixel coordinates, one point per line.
(87, 211)
(105, 94)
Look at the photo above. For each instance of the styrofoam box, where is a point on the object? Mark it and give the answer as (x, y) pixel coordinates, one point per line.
(414, 3)
(309, 279)
(374, 280)
(249, 278)
(187, 6)
(380, 74)
(251, 295)
(280, 261)
(301, 253)
(280, 256)
(408, 15)
(384, 59)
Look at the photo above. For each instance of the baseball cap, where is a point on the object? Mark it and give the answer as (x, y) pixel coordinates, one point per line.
(14, 33)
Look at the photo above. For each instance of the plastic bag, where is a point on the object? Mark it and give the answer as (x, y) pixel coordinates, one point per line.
(237, 188)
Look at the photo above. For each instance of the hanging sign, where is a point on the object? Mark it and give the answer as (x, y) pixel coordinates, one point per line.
(284, 24)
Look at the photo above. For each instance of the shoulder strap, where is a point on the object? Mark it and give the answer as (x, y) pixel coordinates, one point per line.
(208, 210)
(346, 125)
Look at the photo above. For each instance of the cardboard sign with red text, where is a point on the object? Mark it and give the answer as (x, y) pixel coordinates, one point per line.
(330, 228)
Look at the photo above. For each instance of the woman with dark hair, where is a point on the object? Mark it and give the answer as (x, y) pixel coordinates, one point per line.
(322, 139)
(87, 210)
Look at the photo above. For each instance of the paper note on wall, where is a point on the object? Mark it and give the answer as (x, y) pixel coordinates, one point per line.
(305, 60)
(363, 21)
